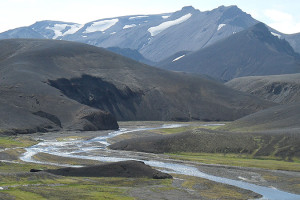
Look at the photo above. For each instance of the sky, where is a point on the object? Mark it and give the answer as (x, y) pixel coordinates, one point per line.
(282, 15)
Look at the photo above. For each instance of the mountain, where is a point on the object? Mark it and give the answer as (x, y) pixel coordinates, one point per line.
(277, 88)
(43, 30)
(156, 37)
(130, 53)
(172, 58)
(51, 84)
(254, 51)
(293, 39)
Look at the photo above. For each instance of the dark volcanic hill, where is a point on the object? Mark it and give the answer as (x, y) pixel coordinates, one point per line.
(47, 84)
(277, 88)
(285, 118)
(255, 51)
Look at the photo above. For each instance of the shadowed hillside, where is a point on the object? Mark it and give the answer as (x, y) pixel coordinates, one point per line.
(282, 118)
(283, 145)
(277, 88)
(59, 84)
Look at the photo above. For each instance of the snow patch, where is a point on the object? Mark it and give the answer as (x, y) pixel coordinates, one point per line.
(178, 58)
(165, 16)
(59, 29)
(84, 36)
(113, 33)
(273, 187)
(129, 26)
(136, 17)
(243, 178)
(101, 25)
(165, 25)
(221, 26)
(275, 34)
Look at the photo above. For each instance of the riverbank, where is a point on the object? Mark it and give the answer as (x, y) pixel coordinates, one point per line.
(183, 185)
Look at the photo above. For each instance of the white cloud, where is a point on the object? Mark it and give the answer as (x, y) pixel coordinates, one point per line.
(278, 16)
(282, 21)
(286, 27)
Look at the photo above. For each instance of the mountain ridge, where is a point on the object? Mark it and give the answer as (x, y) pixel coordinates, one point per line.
(194, 31)
(134, 31)
(254, 51)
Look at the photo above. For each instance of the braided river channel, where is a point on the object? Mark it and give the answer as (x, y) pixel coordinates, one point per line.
(96, 149)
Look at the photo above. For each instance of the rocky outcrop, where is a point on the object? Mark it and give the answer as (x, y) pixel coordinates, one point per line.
(99, 121)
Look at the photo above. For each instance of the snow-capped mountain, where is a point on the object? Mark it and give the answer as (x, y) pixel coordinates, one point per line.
(156, 37)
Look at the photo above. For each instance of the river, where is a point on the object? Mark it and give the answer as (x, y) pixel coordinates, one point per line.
(96, 149)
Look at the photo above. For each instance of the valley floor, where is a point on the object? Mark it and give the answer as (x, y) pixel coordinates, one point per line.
(17, 183)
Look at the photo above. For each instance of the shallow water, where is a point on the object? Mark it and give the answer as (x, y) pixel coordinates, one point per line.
(96, 149)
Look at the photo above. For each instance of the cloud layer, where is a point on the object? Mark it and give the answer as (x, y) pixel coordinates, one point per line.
(282, 21)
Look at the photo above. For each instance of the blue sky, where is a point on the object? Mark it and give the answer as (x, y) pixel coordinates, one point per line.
(282, 15)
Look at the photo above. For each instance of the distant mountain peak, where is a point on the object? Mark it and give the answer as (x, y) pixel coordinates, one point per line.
(261, 32)
(224, 8)
(188, 8)
(156, 37)
(234, 15)
(234, 7)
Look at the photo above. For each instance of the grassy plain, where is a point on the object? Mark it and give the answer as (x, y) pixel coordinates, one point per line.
(266, 162)
(17, 183)
(206, 144)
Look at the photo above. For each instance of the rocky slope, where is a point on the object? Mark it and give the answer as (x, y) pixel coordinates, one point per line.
(277, 88)
(48, 84)
(282, 118)
(130, 53)
(252, 52)
(293, 39)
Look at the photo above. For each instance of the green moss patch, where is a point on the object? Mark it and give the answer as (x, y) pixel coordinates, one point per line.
(211, 190)
(240, 160)
(16, 141)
